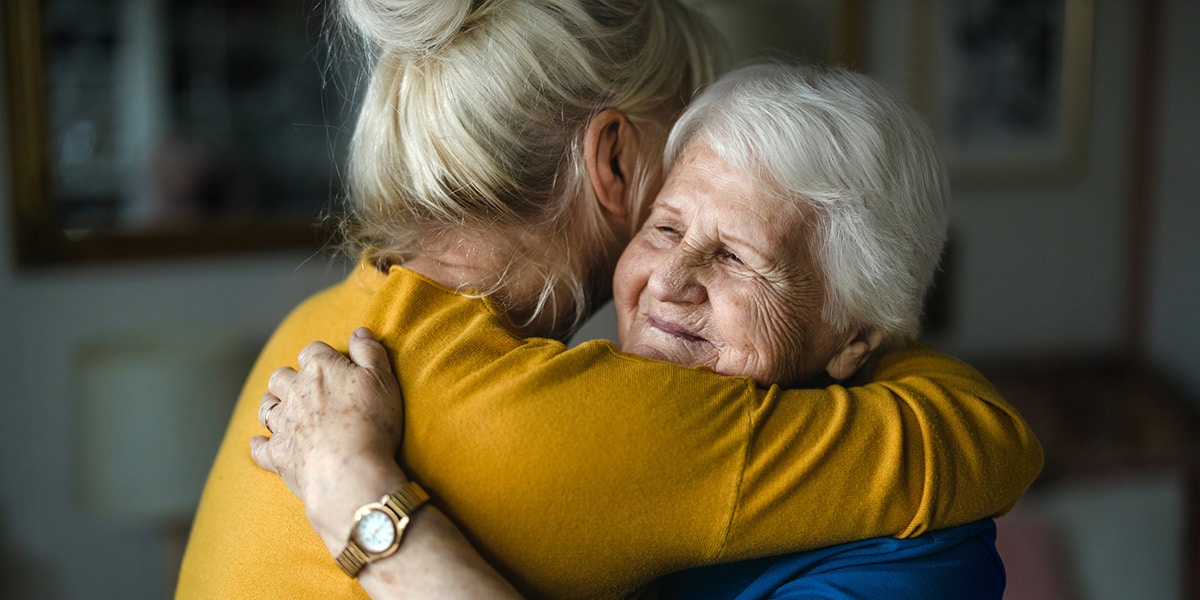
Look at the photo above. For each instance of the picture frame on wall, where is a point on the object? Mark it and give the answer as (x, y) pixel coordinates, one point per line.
(1006, 86)
(148, 130)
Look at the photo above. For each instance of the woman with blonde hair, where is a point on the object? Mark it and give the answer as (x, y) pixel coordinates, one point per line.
(522, 135)
(476, 127)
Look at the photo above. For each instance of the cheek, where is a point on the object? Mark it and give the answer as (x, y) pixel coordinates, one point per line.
(759, 310)
(770, 328)
(800, 353)
(790, 330)
(629, 280)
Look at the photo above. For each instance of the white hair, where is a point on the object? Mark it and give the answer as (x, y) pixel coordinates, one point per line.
(475, 113)
(858, 159)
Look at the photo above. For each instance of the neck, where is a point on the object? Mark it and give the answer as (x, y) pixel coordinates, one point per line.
(472, 262)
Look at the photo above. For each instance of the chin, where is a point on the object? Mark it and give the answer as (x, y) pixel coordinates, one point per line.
(656, 353)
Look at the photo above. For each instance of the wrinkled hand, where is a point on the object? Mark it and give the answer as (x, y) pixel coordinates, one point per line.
(336, 425)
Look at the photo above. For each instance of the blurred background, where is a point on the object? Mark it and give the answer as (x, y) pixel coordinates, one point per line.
(163, 163)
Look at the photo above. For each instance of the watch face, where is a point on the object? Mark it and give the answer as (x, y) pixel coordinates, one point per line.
(375, 531)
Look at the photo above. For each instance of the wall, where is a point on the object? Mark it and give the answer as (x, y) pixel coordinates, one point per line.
(1174, 325)
(1039, 268)
(1042, 270)
(50, 545)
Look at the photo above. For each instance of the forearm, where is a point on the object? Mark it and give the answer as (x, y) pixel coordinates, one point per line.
(434, 560)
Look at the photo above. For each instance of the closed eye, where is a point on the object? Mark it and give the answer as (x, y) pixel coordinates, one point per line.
(668, 232)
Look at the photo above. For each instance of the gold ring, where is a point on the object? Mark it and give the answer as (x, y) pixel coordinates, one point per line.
(267, 417)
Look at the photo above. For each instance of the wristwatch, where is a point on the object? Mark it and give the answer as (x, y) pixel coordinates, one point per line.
(378, 527)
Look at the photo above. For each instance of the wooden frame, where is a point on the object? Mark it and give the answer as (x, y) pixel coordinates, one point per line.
(26, 122)
(38, 221)
(1009, 103)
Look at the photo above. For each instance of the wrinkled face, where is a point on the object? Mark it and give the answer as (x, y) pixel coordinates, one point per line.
(720, 275)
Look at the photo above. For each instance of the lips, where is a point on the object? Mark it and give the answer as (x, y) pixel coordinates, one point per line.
(673, 330)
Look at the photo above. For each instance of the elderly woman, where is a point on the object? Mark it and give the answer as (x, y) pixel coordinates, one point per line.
(797, 231)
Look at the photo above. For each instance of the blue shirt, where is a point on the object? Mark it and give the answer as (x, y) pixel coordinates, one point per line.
(959, 562)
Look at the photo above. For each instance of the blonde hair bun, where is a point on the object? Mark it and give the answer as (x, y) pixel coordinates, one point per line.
(411, 26)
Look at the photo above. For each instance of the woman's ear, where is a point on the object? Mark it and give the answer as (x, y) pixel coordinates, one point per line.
(610, 153)
(854, 354)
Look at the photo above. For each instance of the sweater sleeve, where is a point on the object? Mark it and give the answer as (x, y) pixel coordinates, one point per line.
(592, 472)
(928, 444)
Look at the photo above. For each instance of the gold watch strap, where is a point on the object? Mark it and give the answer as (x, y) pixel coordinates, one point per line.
(352, 559)
(404, 502)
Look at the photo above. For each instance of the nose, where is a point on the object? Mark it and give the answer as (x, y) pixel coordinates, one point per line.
(676, 278)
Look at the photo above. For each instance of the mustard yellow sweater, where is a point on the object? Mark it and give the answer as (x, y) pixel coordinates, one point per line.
(589, 473)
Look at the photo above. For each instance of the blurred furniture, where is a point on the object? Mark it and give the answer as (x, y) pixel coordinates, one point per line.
(1117, 506)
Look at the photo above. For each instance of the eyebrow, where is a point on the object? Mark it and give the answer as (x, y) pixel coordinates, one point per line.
(658, 205)
(737, 244)
(740, 245)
